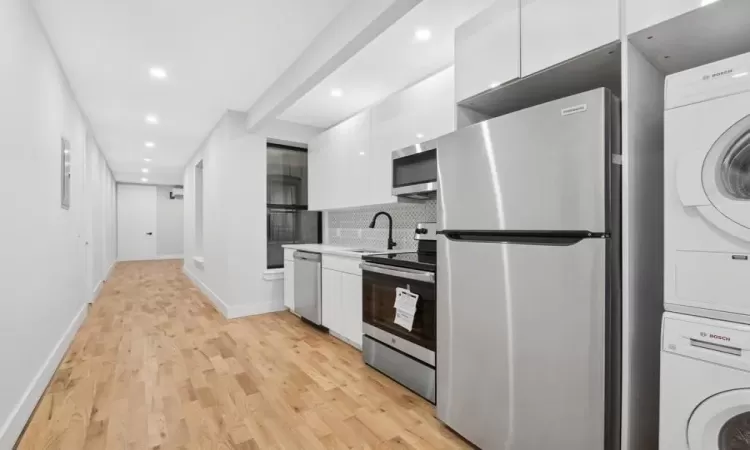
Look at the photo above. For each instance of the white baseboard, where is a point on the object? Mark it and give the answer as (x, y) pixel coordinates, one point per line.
(155, 258)
(13, 426)
(163, 257)
(100, 285)
(219, 304)
(97, 291)
(232, 311)
(253, 309)
(110, 270)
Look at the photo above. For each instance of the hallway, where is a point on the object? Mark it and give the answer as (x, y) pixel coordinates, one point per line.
(155, 366)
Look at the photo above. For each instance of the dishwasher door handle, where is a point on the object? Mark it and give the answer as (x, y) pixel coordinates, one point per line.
(305, 256)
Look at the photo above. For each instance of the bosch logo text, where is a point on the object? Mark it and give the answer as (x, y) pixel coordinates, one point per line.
(719, 337)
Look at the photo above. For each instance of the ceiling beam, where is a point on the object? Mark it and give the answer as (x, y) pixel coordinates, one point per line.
(348, 33)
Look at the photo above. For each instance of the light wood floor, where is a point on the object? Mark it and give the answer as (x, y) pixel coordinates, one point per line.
(155, 366)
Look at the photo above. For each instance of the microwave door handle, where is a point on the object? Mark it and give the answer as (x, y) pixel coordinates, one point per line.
(416, 275)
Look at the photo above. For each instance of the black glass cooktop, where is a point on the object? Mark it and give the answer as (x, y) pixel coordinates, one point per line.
(421, 261)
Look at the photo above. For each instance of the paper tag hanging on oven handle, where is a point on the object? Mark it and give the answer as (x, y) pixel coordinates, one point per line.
(406, 308)
(404, 319)
(406, 301)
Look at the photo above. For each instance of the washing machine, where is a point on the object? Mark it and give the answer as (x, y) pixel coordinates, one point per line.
(707, 191)
(705, 384)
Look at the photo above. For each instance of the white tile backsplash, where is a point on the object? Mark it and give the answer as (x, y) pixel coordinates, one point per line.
(350, 228)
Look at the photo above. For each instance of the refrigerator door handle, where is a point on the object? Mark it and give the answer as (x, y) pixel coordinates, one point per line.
(522, 237)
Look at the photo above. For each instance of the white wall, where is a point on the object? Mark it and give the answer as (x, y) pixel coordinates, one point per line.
(44, 284)
(100, 197)
(169, 223)
(234, 220)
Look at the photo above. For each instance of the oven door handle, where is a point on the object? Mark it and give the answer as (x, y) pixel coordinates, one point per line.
(410, 274)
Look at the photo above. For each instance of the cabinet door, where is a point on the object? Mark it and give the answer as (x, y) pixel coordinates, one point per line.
(642, 14)
(289, 284)
(351, 169)
(553, 31)
(321, 192)
(488, 49)
(332, 300)
(351, 305)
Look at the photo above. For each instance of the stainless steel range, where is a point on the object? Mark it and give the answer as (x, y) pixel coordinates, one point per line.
(403, 350)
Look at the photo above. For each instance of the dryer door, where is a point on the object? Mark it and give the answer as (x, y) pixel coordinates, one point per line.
(721, 422)
(726, 181)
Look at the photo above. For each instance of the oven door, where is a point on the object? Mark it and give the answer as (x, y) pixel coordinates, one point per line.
(379, 283)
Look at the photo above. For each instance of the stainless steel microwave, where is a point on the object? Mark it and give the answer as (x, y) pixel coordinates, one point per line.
(415, 171)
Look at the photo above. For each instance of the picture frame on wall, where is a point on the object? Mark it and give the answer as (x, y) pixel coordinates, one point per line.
(65, 163)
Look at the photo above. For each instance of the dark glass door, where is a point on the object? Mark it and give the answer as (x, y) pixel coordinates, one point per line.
(379, 297)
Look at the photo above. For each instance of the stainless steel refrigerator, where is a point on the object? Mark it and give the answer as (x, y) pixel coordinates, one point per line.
(528, 336)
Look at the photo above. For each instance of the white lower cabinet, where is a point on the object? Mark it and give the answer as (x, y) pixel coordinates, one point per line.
(331, 300)
(342, 304)
(289, 284)
(351, 307)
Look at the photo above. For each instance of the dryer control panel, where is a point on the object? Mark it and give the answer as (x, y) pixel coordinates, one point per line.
(724, 343)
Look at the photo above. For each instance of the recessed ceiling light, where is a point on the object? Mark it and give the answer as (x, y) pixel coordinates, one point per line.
(147, 159)
(144, 170)
(336, 92)
(423, 34)
(144, 180)
(362, 153)
(420, 135)
(152, 119)
(149, 144)
(158, 73)
(740, 75)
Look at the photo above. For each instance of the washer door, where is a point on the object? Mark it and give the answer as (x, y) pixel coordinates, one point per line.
(721, 423)
(726, 181)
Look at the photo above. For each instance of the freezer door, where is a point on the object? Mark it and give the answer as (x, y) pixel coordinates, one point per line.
(541, 168)
(521, 343)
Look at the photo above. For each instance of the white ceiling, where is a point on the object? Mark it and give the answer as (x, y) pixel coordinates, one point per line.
(219, 55)
(393, 61)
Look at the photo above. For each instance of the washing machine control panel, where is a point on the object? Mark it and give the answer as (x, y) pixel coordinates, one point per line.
(726, 77)
(709, 340)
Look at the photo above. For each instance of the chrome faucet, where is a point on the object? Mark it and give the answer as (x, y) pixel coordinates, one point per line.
(391, 243)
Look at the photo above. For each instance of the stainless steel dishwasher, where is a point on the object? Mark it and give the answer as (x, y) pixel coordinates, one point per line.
(307, 286)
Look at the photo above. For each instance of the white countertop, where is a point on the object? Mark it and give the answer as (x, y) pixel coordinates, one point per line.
(340, 251)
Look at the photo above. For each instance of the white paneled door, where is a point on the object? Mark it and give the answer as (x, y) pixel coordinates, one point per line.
(136, 222)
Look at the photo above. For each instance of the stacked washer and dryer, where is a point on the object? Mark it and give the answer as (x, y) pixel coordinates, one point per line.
(705, 362)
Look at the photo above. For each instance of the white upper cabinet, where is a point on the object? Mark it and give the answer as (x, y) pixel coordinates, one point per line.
(337, 165)
(553, 31)
(488, 49)
(350, 164)
(642, 14)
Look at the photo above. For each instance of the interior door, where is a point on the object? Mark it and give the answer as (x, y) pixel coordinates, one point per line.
(136, 222)
(521, 343)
